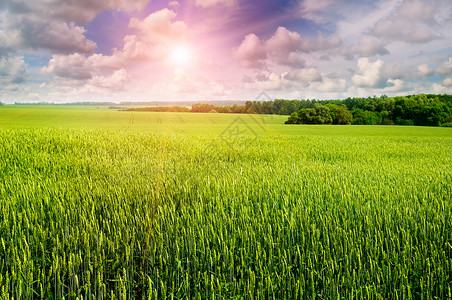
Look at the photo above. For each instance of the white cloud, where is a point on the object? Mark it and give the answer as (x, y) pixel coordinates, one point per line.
(51, 24)
(210, 3)
(58, 37)
(395, 85)
(7, 42)
(33, 32)
(276, 82)
(447, 82)
(158, 28)
(367, 46)
(304, 75)
(80, 11)
(72, 66)
(330, 85)
(133, 50)
(356, 20)
(99, 71)
(418, 10)
(370, 74)
(410, 22)
(115, 81)
(293, 59)
(424, 70)
(251, 53)
(12, 70)
(173, 4)
(320, 43)
(441, 89)
(284, 42)
(446, 67)
(298, 83)
(185, 84)
(284, 47)
(314, 10)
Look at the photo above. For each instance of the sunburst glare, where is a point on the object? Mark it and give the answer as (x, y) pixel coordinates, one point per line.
(180, 55)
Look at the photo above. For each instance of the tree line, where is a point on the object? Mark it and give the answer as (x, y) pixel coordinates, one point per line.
(420, 110)
(198, 108)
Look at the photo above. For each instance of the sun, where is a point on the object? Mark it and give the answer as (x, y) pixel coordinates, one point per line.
(180, 55)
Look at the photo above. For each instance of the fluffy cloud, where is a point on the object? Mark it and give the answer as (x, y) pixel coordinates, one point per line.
(378, 76)
(284, 42)
(98, 71)
(96, 85)
(368, 46)
(210, 3)
(395, 85)
(276, 82)
(33, 33)
(418, 10)
(304, 81)
(133, 51)
(330, 85)
(424, 70)
(284, 47)
(370, 74)
(313, 10)
(72, 66)
(446, 67)
(44, 24)
(12, 70)
(158, 27)
(304, 75)
(113, 82)
(184, 84)
(321, 43)
(410, 22)
(79, 11)
(447, 82)
(5, 43)
(441, 89)
(251, 53)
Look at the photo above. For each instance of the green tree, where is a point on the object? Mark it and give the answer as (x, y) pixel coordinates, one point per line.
(320, 114)
(365, 117)
(305, 115)
(201, 107)
(343, 115)
(293, 119)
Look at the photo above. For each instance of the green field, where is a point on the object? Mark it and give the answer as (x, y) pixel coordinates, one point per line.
(103, 204)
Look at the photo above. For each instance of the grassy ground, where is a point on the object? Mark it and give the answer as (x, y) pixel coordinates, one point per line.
(97, 203)
(92, 117)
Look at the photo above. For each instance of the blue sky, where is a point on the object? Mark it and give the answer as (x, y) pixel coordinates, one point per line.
(141, 50)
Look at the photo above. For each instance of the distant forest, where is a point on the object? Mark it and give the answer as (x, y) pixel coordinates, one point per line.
(420, 110)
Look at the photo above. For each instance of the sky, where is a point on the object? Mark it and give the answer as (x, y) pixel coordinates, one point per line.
(150, 50)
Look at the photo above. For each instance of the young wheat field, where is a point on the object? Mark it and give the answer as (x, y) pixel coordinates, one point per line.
(104, 204)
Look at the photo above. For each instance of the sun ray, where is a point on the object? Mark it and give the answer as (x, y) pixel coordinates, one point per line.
(180, 55)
